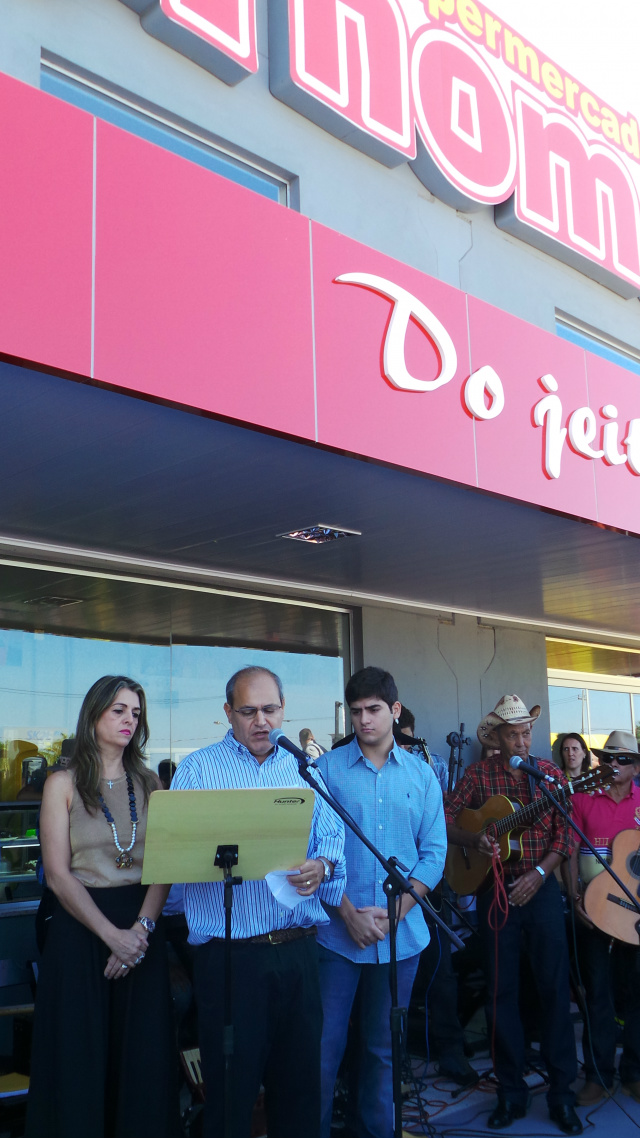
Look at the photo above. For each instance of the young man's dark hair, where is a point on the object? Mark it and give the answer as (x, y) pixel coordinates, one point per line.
(371, 682)
(407, 719)
(166, 771)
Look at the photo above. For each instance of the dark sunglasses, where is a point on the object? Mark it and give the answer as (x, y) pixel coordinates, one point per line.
(624, 760)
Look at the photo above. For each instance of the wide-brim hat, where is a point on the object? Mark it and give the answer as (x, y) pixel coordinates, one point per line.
(619, 743)
(509, 709)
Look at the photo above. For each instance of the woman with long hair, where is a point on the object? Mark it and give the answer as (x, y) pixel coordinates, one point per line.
(103, 1056)
(575, 756)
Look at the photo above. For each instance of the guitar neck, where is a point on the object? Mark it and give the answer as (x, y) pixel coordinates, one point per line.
(522, 817)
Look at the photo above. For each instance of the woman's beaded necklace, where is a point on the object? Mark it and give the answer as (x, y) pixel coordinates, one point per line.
(124, 859)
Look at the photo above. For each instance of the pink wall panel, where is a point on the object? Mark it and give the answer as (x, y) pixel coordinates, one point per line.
(618, 487)
(358, 409)
(510, 447)
(45, 228)
(203, 289)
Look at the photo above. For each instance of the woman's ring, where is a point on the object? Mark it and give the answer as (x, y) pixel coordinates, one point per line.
(139, 958)
(125, 966)
(308, 883)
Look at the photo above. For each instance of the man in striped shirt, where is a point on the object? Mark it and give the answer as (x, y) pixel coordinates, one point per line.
(277, 1011)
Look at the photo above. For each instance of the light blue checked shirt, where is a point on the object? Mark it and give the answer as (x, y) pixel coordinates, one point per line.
(229, 765)
(399, 808)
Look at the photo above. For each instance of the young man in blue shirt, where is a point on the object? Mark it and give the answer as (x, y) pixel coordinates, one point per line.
(396, 800)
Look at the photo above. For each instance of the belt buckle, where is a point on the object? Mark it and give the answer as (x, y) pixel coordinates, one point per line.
(271, 936)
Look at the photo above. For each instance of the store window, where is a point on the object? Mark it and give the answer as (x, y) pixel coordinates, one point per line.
(624, 355)
(124, 110)
(593, 689)
(59, 633)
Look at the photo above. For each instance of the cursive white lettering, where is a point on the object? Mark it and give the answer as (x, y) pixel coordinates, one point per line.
(547, 414)
(612, 455)
(405, 308)
(485, 381)
(582, 432)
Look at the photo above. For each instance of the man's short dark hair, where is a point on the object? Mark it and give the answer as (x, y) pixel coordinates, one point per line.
(166, 770)
(231, 684)
(406, 719)
(371, 682)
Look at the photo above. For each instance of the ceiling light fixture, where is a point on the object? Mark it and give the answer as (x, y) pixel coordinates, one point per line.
(320, 534)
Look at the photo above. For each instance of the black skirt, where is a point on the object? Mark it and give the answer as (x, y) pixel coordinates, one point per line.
(103, 1062)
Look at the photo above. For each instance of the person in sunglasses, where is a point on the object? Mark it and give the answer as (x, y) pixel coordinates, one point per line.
(601, 817)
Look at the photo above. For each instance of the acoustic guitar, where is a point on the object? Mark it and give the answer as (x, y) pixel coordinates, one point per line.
(466, 869)
(605, 903)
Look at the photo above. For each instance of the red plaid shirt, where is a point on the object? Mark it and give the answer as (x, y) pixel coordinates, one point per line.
(482, 780)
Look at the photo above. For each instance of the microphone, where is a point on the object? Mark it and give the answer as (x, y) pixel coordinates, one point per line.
(279, 739)
(406, 740)
(516, 763)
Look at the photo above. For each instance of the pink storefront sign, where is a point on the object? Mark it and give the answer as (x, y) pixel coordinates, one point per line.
(369, 349)
(126, 264)
(203, 289)
(46, 188)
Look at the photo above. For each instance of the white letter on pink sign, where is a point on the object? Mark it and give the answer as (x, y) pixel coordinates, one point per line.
(612, 455)
(467, 150)
(485, 381)
(345, 65)
(219, 35)
(582, 431)
(407, 307)
(576, 193)
(547, 413)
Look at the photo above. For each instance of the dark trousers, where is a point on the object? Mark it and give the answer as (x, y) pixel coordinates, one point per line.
(538, 927)
(444, 1030)
(277, 1017)
(598, 959)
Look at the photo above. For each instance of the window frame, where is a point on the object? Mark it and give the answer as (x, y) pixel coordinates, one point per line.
(73, 76)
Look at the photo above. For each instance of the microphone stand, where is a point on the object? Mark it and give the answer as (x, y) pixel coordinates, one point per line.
(403, 740)
(456, 740)
(395, 885)
(583, 837)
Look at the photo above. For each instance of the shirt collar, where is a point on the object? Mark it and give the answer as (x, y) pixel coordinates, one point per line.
(355, 753)
(632, 787)
(245, 753)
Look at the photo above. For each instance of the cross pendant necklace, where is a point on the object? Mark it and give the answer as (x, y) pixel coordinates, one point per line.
(110, 783)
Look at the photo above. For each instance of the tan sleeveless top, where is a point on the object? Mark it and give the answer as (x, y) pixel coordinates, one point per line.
(93, 850)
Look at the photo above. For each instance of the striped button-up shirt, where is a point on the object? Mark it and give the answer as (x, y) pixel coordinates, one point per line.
(399, 808)
(226, 766)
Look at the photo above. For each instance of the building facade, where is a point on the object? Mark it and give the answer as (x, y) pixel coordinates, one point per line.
(371, 268)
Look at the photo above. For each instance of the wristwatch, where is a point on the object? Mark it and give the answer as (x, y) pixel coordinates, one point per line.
(147, 923)
(328, 869)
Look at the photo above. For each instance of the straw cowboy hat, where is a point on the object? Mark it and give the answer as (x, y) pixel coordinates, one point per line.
(509, 709)
(619, 743)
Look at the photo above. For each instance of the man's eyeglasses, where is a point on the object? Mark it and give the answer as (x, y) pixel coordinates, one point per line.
(251, 712)
(623, 760)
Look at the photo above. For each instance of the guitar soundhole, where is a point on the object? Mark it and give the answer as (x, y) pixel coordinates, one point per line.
(633, 864)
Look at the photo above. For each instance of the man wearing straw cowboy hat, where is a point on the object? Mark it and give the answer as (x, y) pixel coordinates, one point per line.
(534, 912)
(602, 817)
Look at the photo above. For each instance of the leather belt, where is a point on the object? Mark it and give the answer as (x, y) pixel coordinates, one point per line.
(278, 936)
